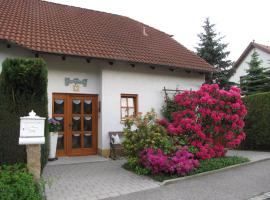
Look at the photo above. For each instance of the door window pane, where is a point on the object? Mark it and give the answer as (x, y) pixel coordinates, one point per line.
(58, 106)
(87, 140)
(76, 106)
(76, 140)
(87, 124)
(87, 107)
(76, 124)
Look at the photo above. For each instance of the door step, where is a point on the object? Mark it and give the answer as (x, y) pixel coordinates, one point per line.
(77, 160)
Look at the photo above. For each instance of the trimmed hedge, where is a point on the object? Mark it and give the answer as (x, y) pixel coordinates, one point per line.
(257, 126)
(23, 87)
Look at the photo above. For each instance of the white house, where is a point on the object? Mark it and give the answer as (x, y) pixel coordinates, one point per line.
(241, 65)
(101, 67)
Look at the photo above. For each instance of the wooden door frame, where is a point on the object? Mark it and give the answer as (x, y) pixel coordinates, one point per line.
(68, 151)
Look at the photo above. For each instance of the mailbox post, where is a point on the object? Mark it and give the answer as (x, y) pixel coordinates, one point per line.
(32, 135)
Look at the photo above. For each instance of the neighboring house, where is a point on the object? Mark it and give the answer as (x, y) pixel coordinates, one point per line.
(101, 67)
(241, 65)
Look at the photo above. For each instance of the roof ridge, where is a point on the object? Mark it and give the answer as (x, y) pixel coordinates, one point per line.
(262, 45)
(251, 45)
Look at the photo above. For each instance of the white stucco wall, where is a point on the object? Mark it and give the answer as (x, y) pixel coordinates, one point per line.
(109, 82)
(241, 70)
(73, 67)
(147, 83)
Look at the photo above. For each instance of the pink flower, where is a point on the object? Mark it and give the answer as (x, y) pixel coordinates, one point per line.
(180, 163)
(210, 119)
(163, 122)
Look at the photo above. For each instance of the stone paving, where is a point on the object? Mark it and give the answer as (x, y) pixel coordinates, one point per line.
(241, 183)
(94, 180)
(265, 196)
(79, 178)
(252, 155)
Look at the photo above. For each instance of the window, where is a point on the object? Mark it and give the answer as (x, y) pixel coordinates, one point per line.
(128, 105)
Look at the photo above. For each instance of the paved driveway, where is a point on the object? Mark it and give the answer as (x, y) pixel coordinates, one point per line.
(239, 183)
(94, 180)
(78, 178)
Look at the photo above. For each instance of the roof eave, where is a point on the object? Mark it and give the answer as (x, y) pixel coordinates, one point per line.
(188, 68)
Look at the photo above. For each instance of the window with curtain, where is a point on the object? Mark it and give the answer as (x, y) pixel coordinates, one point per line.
(128, 105)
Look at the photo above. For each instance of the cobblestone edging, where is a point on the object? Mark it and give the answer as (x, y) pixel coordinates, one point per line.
(265, 196)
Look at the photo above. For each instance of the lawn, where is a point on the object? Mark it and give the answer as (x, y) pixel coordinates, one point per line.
(205, 166)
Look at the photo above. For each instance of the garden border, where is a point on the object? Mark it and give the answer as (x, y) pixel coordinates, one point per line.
(171, 181)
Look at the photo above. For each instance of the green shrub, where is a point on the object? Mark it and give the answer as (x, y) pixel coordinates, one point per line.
(143, 132)
(132, 164)
(23, 87)
(218, 163)
(169, 107)
(17, 183)
(257, 126)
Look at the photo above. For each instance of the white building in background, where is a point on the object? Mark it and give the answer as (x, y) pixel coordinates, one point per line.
(101, 67)
(241, 65)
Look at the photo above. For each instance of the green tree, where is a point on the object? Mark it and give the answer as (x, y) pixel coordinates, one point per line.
(212, 50)
(257, 78)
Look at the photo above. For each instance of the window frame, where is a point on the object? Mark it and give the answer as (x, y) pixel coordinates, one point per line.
(135, 106)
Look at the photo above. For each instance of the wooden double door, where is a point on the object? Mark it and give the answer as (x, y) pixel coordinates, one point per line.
(78, 116)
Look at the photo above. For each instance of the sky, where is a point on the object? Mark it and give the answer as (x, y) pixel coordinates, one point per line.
(240, 21)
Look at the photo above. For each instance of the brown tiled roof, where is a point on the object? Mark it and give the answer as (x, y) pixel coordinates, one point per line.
(49, 27)
(251, 46)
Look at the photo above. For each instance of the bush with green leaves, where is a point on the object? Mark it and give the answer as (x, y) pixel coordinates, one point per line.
(169, 107)
(132, 164)
(23, 87)
(257, 126)
(17, 183)
(143, 132)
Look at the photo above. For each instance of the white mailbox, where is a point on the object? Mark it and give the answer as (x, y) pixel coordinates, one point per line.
(32, 129)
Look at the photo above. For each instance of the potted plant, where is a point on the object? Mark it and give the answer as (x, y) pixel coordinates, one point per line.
(54, 127)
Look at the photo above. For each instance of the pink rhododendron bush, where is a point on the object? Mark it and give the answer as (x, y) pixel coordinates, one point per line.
(181, 162)
(207, 121)
(210, 119)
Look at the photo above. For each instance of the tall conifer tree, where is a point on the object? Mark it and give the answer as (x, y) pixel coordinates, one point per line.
(211, 49)
(257, 78)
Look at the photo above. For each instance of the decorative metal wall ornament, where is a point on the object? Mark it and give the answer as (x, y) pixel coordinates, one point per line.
(75, 81)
